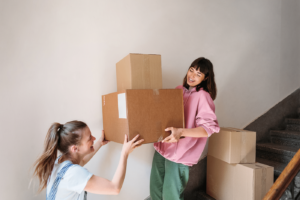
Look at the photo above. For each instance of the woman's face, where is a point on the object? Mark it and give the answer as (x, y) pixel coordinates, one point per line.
(87, 141)
(194, 77)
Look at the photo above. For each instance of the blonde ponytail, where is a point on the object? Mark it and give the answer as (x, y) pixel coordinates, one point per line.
(44, 165)
(59, 137)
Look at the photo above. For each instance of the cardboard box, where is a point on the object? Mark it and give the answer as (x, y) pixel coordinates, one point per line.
(139, 71)
(144, 112)
(238, 181)
(233, 145)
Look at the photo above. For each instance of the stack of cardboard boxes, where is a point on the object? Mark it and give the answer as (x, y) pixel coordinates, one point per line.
(140, 105)
(232, 173)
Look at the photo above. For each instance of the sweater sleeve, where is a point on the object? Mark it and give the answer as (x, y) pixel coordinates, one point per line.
(179, 87)
(206, 116)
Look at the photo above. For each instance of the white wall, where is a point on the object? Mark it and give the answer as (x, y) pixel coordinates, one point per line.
(58, 57)
(290, 46)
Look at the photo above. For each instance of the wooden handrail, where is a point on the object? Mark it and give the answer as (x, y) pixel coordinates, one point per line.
(285, 178)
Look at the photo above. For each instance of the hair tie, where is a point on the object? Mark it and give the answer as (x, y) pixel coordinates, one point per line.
(60, 128)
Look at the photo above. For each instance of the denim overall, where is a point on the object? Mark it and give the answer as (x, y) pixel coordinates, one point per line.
(58, 178)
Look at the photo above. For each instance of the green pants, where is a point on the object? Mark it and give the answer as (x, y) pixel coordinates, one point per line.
(168, 179)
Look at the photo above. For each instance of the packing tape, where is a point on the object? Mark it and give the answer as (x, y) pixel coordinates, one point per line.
(146, 72)
(160, 138)
(158, 131)
(155, 92)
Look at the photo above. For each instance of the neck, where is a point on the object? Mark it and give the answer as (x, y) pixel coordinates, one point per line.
(190, 88)
(75, 159)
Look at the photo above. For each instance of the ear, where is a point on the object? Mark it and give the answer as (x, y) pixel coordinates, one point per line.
(74, 148)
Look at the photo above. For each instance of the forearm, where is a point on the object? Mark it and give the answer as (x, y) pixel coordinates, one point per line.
(194, 132)
(98, 185)
(119, 176)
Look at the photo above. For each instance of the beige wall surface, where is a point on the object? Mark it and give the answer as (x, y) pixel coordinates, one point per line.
(290, 47)
(58, 57)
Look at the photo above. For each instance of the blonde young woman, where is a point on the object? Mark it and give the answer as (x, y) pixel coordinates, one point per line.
(64, 177)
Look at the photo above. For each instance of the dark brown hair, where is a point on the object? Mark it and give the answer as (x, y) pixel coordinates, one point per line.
(208, 84)
(59, 137)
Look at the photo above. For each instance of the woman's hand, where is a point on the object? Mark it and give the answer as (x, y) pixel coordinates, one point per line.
(128, 147)
(175, 135)
(101, 140)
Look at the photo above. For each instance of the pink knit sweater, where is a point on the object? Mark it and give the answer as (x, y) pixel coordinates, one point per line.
(199, 110)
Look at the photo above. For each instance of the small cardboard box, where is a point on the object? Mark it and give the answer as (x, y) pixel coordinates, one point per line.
(233, 145)
(139, 71)
(238, 181)
(143, 112)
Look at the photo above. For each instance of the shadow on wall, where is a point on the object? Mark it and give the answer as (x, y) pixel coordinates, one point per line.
(274, 118)
(111, 155)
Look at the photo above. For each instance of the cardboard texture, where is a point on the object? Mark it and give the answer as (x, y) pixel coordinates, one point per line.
(144, 112)
(238, 181)
(139, 71)
(233, 145)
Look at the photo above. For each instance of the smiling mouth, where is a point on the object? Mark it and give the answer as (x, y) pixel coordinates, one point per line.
(190, 80)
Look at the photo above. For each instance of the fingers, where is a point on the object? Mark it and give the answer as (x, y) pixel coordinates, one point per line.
(106, 141)
(102, 137)
(169, 129)
(170, 139)
(135, 138)
(139, 143)
(125, 139)
(167, 139)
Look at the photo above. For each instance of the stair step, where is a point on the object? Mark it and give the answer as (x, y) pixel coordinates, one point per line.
(285, 137)
(292, 121)
(275, 152)
(292, 124)
(278, 167)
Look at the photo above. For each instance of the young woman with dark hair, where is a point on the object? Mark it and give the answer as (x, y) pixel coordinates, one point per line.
(185, 146)
(64, 177)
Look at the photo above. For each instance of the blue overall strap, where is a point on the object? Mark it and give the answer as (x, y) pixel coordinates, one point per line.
(58, 178)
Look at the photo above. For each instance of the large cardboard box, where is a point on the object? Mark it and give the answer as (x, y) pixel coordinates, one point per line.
(233, 145)
(139, 71)
(238, 181)
(144, 112)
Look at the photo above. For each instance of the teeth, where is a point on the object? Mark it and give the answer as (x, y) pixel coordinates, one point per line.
(191, 80)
